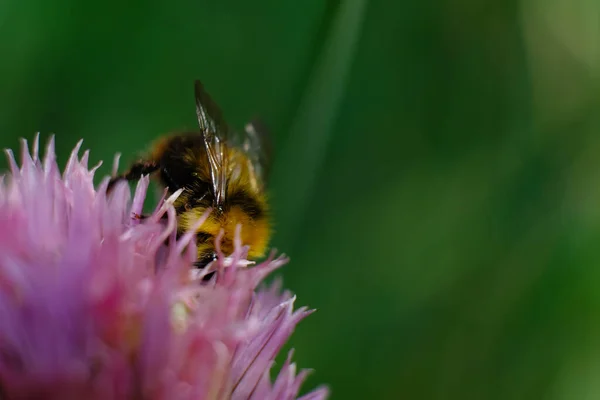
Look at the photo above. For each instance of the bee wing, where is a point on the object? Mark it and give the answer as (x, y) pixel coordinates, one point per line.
(257, 146)
(215, 133)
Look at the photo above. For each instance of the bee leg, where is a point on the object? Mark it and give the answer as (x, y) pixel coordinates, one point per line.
(142, 217)
(139, 168)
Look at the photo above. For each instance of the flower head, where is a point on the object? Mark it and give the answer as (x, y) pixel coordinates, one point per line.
(95, 305)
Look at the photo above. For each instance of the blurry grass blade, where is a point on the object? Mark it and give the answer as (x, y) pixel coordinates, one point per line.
(313, 124)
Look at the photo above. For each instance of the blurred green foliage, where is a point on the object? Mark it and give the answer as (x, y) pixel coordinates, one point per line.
(436, 178)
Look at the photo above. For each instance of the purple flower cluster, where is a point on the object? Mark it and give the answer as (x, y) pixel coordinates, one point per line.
(95, 305)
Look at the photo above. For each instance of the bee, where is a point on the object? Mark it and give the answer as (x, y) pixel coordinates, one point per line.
(218, 169)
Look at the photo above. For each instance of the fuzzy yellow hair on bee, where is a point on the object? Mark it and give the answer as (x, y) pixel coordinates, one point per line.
(217, 169)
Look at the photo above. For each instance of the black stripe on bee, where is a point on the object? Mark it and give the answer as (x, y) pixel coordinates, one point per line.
(203, 262)
(195, 199)
(203, 237)
(247, 203)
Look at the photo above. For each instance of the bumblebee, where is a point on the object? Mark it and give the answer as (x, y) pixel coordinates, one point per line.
(217, 169)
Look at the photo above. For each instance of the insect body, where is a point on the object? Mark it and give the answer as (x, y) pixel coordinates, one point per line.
(216, 170)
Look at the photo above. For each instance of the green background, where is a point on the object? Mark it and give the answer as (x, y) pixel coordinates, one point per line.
(437, 171)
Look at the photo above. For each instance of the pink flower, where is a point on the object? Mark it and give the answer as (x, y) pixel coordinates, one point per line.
(95, 305)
